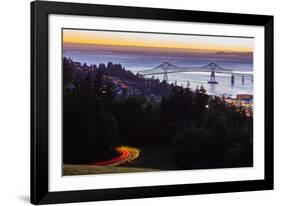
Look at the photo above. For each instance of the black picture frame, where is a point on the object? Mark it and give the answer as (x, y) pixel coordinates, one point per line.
(40, 107)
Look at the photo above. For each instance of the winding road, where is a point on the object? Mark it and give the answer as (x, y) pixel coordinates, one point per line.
(127, 154)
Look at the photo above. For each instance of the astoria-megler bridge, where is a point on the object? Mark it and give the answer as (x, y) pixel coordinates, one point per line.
(165, 68)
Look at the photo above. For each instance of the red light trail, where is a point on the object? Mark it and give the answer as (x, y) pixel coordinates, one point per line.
(127, 154)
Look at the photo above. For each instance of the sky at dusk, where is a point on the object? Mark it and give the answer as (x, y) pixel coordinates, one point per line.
(155, 42)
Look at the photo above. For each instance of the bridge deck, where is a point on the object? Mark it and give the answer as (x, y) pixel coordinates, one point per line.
(147, 72)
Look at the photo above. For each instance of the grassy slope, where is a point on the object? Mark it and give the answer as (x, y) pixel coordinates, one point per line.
(90, 169)
(150, 159)
(154, 157)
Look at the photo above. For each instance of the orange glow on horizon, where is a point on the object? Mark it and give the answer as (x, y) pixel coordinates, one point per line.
(128, 40)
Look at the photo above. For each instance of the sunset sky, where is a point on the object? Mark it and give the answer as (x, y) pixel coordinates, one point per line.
(159, 42)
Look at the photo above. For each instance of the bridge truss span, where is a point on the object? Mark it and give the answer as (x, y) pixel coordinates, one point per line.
(166, 68)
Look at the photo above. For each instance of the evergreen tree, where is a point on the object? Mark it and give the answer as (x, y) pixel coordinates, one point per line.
(98, 85)
(67, 71)
(89, 85)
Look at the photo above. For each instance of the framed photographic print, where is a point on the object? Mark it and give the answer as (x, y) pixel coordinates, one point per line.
(133, 102)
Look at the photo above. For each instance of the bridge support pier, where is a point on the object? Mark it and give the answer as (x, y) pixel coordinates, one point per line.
(232, 79)
(212, 78)
(165, 77)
